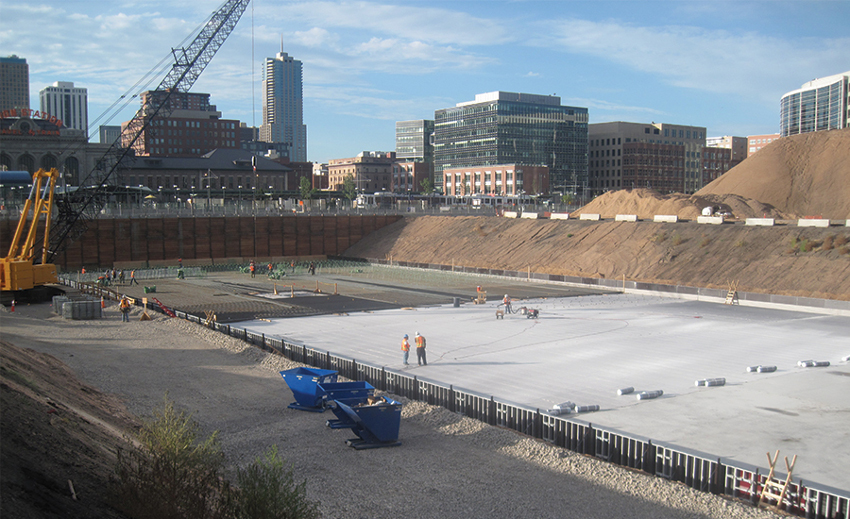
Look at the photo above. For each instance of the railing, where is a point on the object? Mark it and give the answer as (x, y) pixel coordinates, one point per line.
(695, 469)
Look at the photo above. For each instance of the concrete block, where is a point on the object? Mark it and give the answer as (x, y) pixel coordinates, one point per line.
(767, 222)
(665, 218)
(712, 220)
(511, 214)
(530, 216)
(559, 216)
(626, 218)
(589, 216)
(813, 222)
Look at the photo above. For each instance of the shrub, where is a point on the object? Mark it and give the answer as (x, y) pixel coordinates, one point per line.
(844, 250)
(704, 241)
(660, 237)
(170, 474)
(828, 242)
(740, 243)
(677, 239)
(267, 490)
(840, 240)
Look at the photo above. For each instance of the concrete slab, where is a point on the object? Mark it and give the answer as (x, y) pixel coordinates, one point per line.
(583, 349)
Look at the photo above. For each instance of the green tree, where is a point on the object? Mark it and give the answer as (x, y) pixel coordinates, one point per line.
(306, 187)
(567, 198)
(349, 189)
(427, 186)
(267, 490)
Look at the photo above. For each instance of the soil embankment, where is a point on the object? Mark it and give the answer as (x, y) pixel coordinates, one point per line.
(785, 260)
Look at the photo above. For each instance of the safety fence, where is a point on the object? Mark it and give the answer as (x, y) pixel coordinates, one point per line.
(697, 470)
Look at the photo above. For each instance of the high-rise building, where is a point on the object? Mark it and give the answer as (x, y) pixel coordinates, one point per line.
(413, 140)
(283, 106)
(190, 127)
(68, 103)
(663, 157)
(14, 83)
(758, 142)
(512, 128)
(109, 133)
(821, 104)
(738, 145)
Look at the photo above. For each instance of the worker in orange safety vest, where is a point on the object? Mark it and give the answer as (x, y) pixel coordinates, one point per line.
(405, 348)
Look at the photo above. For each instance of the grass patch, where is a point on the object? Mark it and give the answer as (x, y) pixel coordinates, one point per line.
(828, 242)
(704, 241)
(677, 239)
(660, 237)
(21, 379)
(840, 240)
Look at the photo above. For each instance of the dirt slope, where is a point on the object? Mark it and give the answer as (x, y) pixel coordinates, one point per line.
(646, 203)
(55, 429)
(805, 175)
(762, 259)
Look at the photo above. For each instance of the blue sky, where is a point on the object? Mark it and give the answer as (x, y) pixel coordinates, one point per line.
(367, 64)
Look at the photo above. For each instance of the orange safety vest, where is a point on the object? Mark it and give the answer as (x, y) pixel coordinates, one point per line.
(420, 342)
(405, 345)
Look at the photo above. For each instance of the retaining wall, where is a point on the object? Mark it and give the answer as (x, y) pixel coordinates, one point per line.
(148, 240)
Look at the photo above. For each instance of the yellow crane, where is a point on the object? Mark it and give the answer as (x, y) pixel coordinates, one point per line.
(18, 270)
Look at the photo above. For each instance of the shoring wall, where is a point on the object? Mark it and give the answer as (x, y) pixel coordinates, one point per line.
(143, 240)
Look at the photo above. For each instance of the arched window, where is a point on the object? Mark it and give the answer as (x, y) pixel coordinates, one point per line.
(5, 161)
(48, 162)
(26, 163)
(72, 170)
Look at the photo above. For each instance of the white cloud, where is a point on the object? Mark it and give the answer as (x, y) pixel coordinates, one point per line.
(441, 26)
(719, 61)
(316, 37)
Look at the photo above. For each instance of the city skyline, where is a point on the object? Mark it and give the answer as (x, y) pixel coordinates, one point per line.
(721, 65)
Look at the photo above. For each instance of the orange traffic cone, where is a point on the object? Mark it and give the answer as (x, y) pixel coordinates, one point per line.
(102, 303)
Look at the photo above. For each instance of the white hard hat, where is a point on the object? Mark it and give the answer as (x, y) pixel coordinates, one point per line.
(417, 334)
(506, 295)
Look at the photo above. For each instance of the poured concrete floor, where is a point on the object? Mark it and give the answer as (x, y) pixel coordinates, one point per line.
(584, 348)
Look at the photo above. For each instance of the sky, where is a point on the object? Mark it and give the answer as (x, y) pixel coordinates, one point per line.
(367, 64)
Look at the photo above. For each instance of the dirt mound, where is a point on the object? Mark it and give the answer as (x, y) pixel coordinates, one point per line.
(646, 203)
(57, 455)
(803, 175)
(783, 260)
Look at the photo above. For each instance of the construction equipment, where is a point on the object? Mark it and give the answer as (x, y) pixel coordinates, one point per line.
(26, 266)
(20, 270)
(75, 209)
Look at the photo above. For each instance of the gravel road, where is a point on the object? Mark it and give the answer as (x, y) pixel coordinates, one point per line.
(448, 466)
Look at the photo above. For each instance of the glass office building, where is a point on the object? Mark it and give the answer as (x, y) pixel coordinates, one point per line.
(819, 105)
(513, 128)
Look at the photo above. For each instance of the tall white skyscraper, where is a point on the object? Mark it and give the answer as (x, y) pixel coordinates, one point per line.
(67, 103)
(283, 107)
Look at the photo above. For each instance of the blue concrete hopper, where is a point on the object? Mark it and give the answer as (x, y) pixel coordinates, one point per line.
(376, 425)
(304, 384)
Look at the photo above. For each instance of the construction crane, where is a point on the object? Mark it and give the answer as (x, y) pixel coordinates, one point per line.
(75, 209)
(17, 271)
(21, 270)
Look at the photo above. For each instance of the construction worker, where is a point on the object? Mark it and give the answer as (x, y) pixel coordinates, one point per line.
(405, 348)
(253, 268)
(133, 277)
(125, 309)
(507, 302)
(420, 350)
